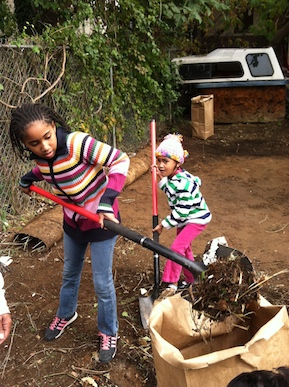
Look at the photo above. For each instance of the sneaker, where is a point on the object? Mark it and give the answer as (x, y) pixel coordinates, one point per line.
(56, 328)
(107, 349)
(184, 285)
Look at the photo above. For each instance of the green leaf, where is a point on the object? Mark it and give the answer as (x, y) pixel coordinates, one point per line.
(36, 49)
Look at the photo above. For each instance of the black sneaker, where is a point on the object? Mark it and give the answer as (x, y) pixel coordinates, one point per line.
(56, 328)
(107, 348)
(183, 285)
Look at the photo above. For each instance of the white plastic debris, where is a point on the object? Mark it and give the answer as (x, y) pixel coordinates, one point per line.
(88, 381)
(6, 260)
(212, 246)
(143, 291)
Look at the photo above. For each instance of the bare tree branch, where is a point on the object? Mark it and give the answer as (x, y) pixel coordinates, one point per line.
(51, 86)
(7, 105)
(280, 35)
(58, 79)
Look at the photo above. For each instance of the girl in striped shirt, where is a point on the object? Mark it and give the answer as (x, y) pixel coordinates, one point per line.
(189, 211)
(90, 174)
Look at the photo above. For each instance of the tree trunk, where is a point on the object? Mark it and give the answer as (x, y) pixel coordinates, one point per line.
(11, 5)
(280, 35)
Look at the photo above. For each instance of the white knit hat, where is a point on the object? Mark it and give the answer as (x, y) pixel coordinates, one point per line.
(171, 147)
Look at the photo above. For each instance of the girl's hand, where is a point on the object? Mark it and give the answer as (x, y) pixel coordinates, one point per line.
(106, 215)
(158, 228)
(26, 191)
(154, 167)
(5, 326)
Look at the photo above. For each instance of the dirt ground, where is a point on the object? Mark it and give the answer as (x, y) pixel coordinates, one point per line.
(244, 171)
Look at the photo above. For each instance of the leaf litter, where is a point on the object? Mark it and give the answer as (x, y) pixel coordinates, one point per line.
(227, 288)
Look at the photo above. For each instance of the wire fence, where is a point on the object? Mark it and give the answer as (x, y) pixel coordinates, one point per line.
(26, 77)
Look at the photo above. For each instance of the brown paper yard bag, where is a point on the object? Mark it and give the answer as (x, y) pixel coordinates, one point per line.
(183, 359)
(202, 115)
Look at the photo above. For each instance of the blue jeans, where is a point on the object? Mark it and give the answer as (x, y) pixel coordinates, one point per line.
(101, 262)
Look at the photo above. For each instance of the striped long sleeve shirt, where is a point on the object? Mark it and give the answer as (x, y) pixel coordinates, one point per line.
(84, 171)
(185, 200)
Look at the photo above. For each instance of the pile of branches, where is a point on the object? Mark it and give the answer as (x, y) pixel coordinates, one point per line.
(227, 287)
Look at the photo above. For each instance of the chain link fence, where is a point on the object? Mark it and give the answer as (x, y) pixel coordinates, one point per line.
(19, 76)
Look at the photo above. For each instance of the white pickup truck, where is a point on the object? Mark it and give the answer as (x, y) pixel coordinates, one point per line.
(248, 84)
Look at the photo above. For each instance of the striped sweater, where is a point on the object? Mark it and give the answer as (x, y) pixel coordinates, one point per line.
(86, 172)
(185, 200)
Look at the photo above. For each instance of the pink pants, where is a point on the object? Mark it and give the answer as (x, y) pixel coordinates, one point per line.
(182, 245)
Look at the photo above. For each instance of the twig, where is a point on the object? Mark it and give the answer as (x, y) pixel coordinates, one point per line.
(139, 282)
(30, 290)
(34, 327)
(133, 327)
(129, 301)
(63, 350)
(139, 349)
(10, 243)
(256, 285)
(40, 246)
(32, 79)
(264, 220)
(280, 229)
(99, 108)
(26, 241)
(273, 231)
(199, 324)
(61, 374)
(34, 354)
(9, 350)
(92, 372)
(240, 281)
(52, 86)
(58, 78)
(7, 104)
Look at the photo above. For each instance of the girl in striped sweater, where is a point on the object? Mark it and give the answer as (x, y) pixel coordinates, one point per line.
(90, 174)
(189, 211)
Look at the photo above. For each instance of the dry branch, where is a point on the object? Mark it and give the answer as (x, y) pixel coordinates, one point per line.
(6, 360)
(44, 79)
(57, 80)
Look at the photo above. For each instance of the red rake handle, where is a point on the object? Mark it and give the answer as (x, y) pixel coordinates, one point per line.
(194, 267)
(155, 217)
(71, 206)
(154, 171)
